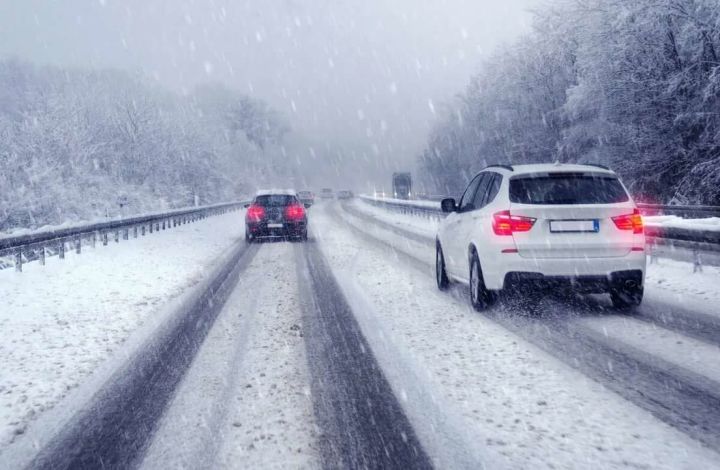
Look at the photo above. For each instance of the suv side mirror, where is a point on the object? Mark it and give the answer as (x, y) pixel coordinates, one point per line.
(247, 205)
(448, 205)
(307, 205)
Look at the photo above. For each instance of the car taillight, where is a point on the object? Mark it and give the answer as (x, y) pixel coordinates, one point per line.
(255, 213)
(506, 224)
(629, 222)
(295, 212)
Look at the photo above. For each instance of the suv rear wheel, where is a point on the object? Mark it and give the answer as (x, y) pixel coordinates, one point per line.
(625, 298)
(480, 297)
(440, 274)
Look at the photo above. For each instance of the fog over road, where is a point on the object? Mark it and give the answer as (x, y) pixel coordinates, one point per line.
(363, 79)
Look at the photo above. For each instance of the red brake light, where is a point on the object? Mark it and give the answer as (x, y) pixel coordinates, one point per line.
(295, 212)
(506, 224)
(629, 222)
(255, 213)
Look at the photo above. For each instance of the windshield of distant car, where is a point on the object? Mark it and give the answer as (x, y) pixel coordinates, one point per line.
(567, 188)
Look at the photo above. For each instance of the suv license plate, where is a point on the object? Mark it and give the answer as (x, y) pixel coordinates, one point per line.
(574, 226)
(275, 225)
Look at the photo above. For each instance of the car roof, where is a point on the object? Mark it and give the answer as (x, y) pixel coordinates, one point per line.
(548, 167)
(270, 192)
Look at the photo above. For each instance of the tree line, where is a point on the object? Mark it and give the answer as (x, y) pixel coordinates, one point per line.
(632, 84)
(76, 143)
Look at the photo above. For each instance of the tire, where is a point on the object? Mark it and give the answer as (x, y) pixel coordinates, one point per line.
(440, 274)
(248, 238)
(626, 298)
(480, 297)
(303, 236)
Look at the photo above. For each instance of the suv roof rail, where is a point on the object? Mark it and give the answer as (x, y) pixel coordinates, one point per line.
(498, 165)
(597, 165)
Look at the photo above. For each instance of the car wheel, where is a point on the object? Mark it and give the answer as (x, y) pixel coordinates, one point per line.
(248, 237)
(480, 297)
(440, 274)
(625, 298)
(303, 237)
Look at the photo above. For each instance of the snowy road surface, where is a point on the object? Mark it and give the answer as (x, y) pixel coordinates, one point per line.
(60, 322)
(340, 352)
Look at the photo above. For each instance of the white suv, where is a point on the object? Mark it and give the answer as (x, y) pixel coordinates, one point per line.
(549, 225)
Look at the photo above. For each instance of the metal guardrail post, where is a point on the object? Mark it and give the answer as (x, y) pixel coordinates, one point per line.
(18, 261)
(93, 239)
(42, 255)
(697, 261)
(653, 255)
(117, 236)
(104, 238)
(61, 249)
(78, 245)
(126, 234)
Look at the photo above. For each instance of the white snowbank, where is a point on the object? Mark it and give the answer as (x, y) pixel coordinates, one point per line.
(405, 202)
(665, 221)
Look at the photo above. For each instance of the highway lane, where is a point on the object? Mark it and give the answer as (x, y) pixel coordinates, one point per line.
(114, 430)
(679, 397)
(364, 424)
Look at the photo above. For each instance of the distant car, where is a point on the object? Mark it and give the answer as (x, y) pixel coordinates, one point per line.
(548, 225)
(345, 194)
(327, 193)
(275, 214)
(306, 197)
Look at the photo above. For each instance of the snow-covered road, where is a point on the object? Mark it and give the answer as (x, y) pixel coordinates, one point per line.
(60, 322)
(341, 352)
(496, 380)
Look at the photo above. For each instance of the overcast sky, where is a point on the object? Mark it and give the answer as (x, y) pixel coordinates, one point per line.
(364, 75)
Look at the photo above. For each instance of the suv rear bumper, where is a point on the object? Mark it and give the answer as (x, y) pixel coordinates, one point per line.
(595, 273)
(586, 283)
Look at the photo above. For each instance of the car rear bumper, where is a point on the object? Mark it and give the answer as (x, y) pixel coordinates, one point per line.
(289, 229)
(593, 273)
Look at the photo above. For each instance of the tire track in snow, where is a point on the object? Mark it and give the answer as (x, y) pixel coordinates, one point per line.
(115, 429)
(364, 425)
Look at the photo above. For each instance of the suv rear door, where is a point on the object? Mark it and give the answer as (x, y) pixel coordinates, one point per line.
(573, 212)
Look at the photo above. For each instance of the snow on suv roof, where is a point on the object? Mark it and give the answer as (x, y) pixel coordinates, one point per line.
(267, 192)
(551, 167)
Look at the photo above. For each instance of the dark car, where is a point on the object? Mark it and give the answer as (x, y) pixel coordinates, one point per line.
(275, 215)
(306, 197)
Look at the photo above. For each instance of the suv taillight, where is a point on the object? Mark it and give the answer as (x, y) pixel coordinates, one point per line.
(255, 213)
(506, 224)
(629, 222)
(295, 212)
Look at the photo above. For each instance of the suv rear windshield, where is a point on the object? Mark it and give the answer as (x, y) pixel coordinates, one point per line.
(271, 200)
(567, 188)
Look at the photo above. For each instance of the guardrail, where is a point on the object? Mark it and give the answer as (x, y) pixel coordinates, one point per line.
(35, 246)
(696, 240)
(692, 212)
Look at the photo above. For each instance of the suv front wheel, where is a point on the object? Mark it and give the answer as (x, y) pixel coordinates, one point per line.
(480, 297)
(440, 274)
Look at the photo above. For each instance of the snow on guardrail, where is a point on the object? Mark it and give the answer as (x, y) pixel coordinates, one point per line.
(34, 245)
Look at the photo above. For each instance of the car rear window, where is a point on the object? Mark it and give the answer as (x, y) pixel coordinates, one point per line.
(567, 188)
(271, 200)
